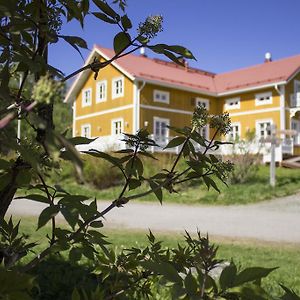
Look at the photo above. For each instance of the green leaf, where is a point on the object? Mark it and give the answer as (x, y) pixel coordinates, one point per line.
(104, 18)
(156, 190)
(289, 294)
(176, 142)
(96, 224)
(190, 284)
(165, 269)
(138, 166)
(134, 183)
(71, 215)
(209, 182)
(106, 9)
(228, 276)
(121, 42)
(35, 197)
(181, 51)
(75, 42)
(79, 140)
(252, 274)
(126, 23)
(47, 214)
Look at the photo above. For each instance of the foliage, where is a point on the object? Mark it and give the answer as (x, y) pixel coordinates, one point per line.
(27, 30)
(245, 161)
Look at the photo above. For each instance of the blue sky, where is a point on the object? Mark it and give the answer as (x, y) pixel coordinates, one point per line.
(222, 34)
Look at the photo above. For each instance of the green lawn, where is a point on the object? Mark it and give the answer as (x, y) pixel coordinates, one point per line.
(244, 253)
(257, 189)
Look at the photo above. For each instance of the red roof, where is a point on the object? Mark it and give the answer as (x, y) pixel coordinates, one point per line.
(169, 72)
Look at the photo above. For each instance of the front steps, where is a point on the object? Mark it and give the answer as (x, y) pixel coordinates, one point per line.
(292, 162)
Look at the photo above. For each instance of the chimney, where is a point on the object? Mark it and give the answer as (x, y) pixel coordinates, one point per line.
(268, 57)
(143, 52)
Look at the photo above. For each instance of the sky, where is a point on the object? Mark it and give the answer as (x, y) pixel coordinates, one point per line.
(223, 35)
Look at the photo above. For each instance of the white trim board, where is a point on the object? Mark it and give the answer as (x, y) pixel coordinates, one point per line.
(107, 111)
(179, 111)
(255, 111)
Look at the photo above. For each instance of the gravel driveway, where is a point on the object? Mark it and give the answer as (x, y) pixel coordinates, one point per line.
(276, 220)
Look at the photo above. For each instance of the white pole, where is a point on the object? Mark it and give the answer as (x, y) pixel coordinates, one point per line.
(272, 163)
(19, 116)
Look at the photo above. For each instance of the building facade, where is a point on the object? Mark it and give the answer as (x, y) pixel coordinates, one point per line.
(136, 92)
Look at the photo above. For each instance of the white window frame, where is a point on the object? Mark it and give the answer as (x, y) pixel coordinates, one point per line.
(100, 83)
(233, 103)
(84, 103)
(296, 138)
(83, 126)
(234, 124)
(262, 95)
(165, 120)
(206, 130)
(199, 101)
(114, 92)
(113, 121)
(257, 126)
(159, 92)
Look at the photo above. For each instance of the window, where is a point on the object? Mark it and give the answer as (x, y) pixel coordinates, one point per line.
(263, 129)
(117, 126)
(86, 130)
(204, 132)
(101, 91)
(233, 103)
(161, 96)
(235, 132)
(87, 97)
(160, 129)
(203, 102)
(118, 87)
(264, 98)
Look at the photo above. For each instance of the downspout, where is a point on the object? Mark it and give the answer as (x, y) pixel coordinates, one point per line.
(137, 106)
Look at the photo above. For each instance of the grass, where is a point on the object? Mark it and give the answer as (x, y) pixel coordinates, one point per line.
(287, 183)
(244, 252)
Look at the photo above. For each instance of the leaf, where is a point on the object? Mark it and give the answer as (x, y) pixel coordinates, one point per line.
(134, 183)
(96, 224)
(75, 42)
(190, 284)
(165, 269)
(252, 274)
(47, 214)
(104, 18)
(126, 23)
(228, 276)
(121, 42)
(106, 9)
(138, 165)
(156, 190)
(176, 142)
(35, 197)
(79, 140)
(289, 294)
(209, 182)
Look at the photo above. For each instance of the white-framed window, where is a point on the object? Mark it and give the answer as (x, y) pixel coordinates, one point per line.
(101, 91)
(203, 102)
(118, 87)
(160, 129)
(87, 97)
(117, 126)
(161, 96)
(263, 128)
(295, 125)
(235, 131)
(233, 103)
(204, 132)
(263, 98)
(86, 130)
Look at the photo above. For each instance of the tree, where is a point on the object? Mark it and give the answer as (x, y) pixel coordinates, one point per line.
(27, 29)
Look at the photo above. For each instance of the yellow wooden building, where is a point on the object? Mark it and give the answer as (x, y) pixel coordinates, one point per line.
(136, 91)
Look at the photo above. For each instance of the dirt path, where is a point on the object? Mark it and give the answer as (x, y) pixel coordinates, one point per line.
(276, 220)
